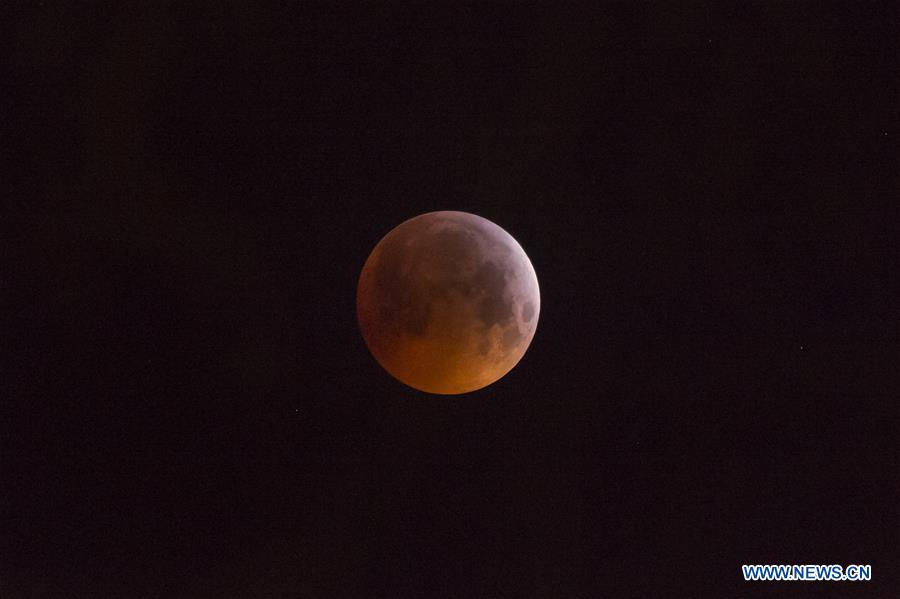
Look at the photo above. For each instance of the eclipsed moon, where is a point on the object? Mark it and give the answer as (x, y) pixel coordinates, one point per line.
(448, 302)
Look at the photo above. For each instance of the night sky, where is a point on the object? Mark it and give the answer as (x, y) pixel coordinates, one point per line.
(188, 408)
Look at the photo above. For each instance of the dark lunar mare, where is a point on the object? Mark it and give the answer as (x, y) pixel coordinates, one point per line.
(412, 275)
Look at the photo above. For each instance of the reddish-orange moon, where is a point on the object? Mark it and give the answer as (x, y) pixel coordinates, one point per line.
(448, 302)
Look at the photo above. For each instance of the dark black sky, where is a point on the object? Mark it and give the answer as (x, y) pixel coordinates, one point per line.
(706, 194)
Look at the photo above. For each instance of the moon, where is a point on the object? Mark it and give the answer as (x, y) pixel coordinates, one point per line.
(448, 302)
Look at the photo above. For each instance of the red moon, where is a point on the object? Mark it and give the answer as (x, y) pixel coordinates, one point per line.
(448, 302)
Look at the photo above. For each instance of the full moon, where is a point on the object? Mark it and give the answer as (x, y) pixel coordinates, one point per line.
(448, 302)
